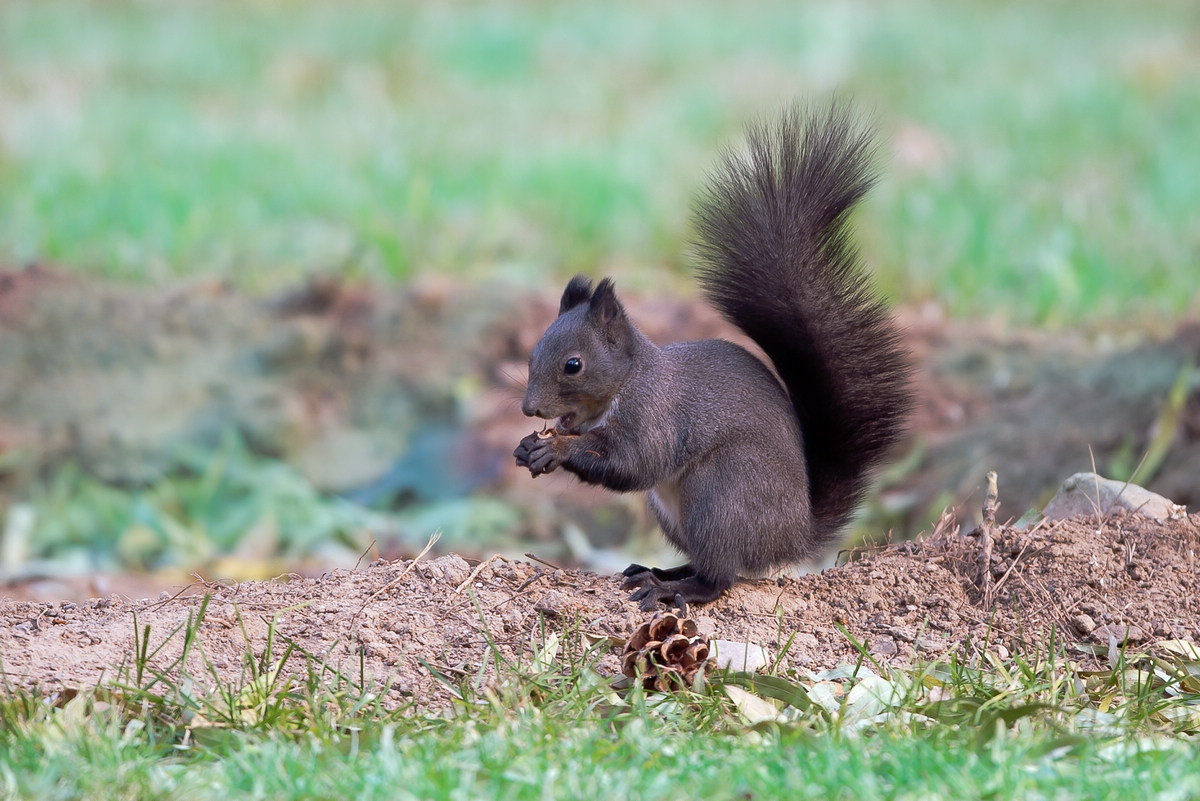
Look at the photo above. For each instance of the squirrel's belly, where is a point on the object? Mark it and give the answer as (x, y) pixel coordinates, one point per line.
(664, 502)
(665, 498)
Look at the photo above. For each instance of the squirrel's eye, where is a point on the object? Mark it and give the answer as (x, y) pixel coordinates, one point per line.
(573, 365)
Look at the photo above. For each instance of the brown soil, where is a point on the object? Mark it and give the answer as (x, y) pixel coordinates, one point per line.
(396, 622)
(353, 384)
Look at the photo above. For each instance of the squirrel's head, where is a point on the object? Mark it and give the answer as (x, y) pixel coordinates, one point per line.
(582, 360)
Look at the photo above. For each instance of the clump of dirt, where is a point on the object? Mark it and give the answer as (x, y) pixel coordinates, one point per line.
(393, 625)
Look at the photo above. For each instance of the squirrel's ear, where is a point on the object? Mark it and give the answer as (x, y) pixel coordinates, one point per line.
(579, 290)
(607, 312)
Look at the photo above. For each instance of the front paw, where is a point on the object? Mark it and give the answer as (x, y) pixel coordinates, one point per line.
(537, 452)
(523, 448)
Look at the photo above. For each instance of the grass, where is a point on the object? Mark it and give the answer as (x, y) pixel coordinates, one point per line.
(232, 514)
(552, 728)
(1042, 158)
(209, 506)
(529, 759)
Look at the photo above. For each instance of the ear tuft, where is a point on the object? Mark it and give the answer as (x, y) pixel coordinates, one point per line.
(606, 310)
(579, 290)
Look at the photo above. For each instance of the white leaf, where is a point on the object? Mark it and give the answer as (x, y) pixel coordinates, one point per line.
(752, 708)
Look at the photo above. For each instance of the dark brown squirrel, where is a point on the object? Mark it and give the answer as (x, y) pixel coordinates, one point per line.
(744, 473)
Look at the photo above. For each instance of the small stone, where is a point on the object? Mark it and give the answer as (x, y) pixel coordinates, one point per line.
(1001, 651)
(806, 641)
(1094, 497)
(451, 567)
(1119, 632)
(884, 647)
(1084, 624)
(553, 604)
(740, 656)
(927, 644)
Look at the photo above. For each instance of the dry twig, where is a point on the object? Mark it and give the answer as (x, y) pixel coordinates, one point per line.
(475, 573)
(437, 535)
(545, 562)
(983, 563)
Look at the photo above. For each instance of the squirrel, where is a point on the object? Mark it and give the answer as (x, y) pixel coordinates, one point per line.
(748, 467)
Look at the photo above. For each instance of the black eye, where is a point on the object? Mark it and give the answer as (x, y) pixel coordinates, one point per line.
(573, 365)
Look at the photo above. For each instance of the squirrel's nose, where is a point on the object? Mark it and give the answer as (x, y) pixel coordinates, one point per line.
(529, 409)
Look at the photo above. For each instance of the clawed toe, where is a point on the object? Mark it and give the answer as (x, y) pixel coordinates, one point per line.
(676, 586)
(644, 581)
(649, 603)
(650, 597)
(651, 588)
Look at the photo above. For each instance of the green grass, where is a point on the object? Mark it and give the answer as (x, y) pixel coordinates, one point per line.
(552, 728)
(1045, 166)
(529, 758)
(228, 509)
(210, 505)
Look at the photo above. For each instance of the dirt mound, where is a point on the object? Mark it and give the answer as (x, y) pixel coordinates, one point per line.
(395, 624)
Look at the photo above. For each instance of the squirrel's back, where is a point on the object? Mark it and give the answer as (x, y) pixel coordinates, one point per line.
(777, 261)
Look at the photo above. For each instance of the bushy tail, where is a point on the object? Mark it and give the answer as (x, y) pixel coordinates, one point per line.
(777, 261)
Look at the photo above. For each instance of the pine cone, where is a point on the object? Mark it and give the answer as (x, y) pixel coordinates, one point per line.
(666, 653)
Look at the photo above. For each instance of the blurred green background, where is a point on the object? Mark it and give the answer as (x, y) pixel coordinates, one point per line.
(1041, 168)
(1044, 154)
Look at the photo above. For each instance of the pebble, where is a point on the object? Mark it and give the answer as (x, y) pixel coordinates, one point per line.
(739, 655)
(553, 604)
(1119, 632)
(1086, 494)
(883, 647)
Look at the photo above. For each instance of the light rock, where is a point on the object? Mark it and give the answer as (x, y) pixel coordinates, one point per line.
(739, 655)
(553, 604)
(884, 647)
(451, 568)
(1090, 495)
(1118, 632)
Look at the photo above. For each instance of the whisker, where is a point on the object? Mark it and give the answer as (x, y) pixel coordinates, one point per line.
(519, 380)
